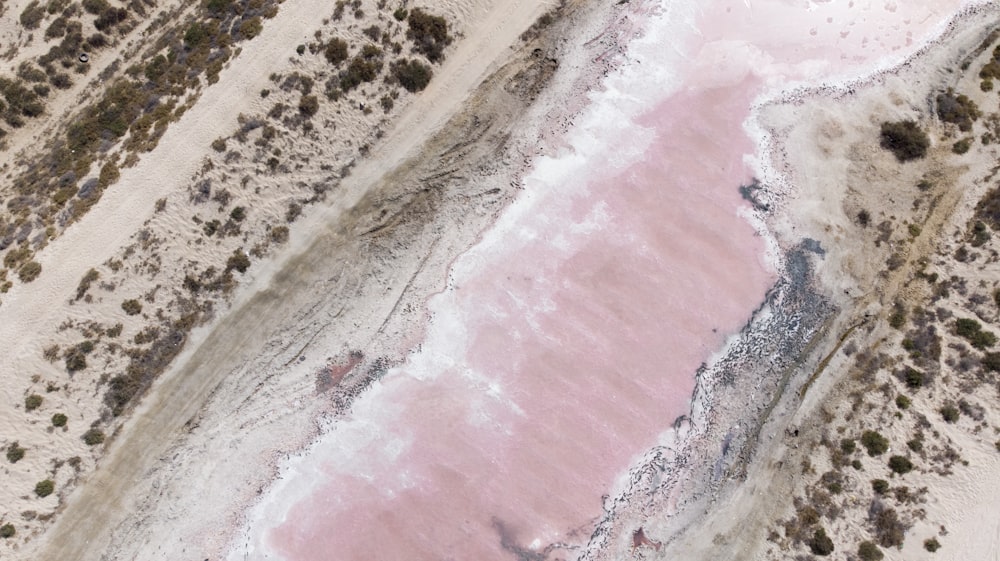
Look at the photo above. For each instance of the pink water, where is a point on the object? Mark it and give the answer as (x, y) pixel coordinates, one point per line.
(568, 339)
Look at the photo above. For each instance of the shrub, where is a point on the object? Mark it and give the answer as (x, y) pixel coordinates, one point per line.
(887, 529)
(991, 361)
(932, 545)
(962, 146)
(400, 14)
(875, 443)
(905, 139)
(957, 109)
(7, 531)
(238, 214)
(308, 105)
(32, 402)
(238, 261)
(32, 15)
(44, 488)
(364, 67)
(279, 234)
(880, 486)
(59, 420)
(335, 51)
(868, 551)
(132, 307)
(914, 378)
(900, 464)
(29, 271)
(950, 413)
(429, 34)
(14, 452)
(75, 360)
(93, 437)
(972, 331)
(251, 28)
(412, 75)
(820, 543)
(902, 402)
(848, 446)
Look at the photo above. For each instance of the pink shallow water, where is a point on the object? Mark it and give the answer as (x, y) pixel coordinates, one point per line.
(569, 339)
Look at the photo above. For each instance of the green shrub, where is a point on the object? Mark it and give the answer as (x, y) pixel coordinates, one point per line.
(7, 531)
(848, 446)
(986, 85)
(962, 146)
(400, 14)
(238, 261)
(251, 28)
(880, 486)
(132, 307)
(197, 33)
(335, 51)
(238, 214)
(868, 551)
(14, 452)
(29, 271)
(308, 105)
(32, 15)
(820, 543)
(915, 444)
(914, 378)
(897, 319)
(279, 234)
(950, 413)
(59, 420)
(900, 464)
(905, 139)
(93, 437)
(364, 67)
(32, 402)
(44, 488)
(875, 443)
(429, 34)
(957, 109)
(932, 545)
(412, 74)
(903, 402)
(972, 331)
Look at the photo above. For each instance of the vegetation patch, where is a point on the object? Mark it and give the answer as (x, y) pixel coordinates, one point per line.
(905, 139)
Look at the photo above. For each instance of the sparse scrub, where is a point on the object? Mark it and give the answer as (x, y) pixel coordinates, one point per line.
(411, 74)
(132, 307)
(868, 551)
(957, 109)
(950, 413)
(874, 443)
(93, 437)
(900, 465)
(44, 488)
(29, 271)
(429, 34)
(32, 402)
(903, 402)
(821, 544)
(905, 139)
(15, 452)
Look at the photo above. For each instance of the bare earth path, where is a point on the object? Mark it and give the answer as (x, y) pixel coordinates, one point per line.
(102, 501)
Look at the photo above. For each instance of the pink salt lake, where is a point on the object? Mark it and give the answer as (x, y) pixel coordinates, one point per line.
(567, 342)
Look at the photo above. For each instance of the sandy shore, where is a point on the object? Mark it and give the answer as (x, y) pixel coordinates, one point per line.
(822, 167)
(221, 417)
